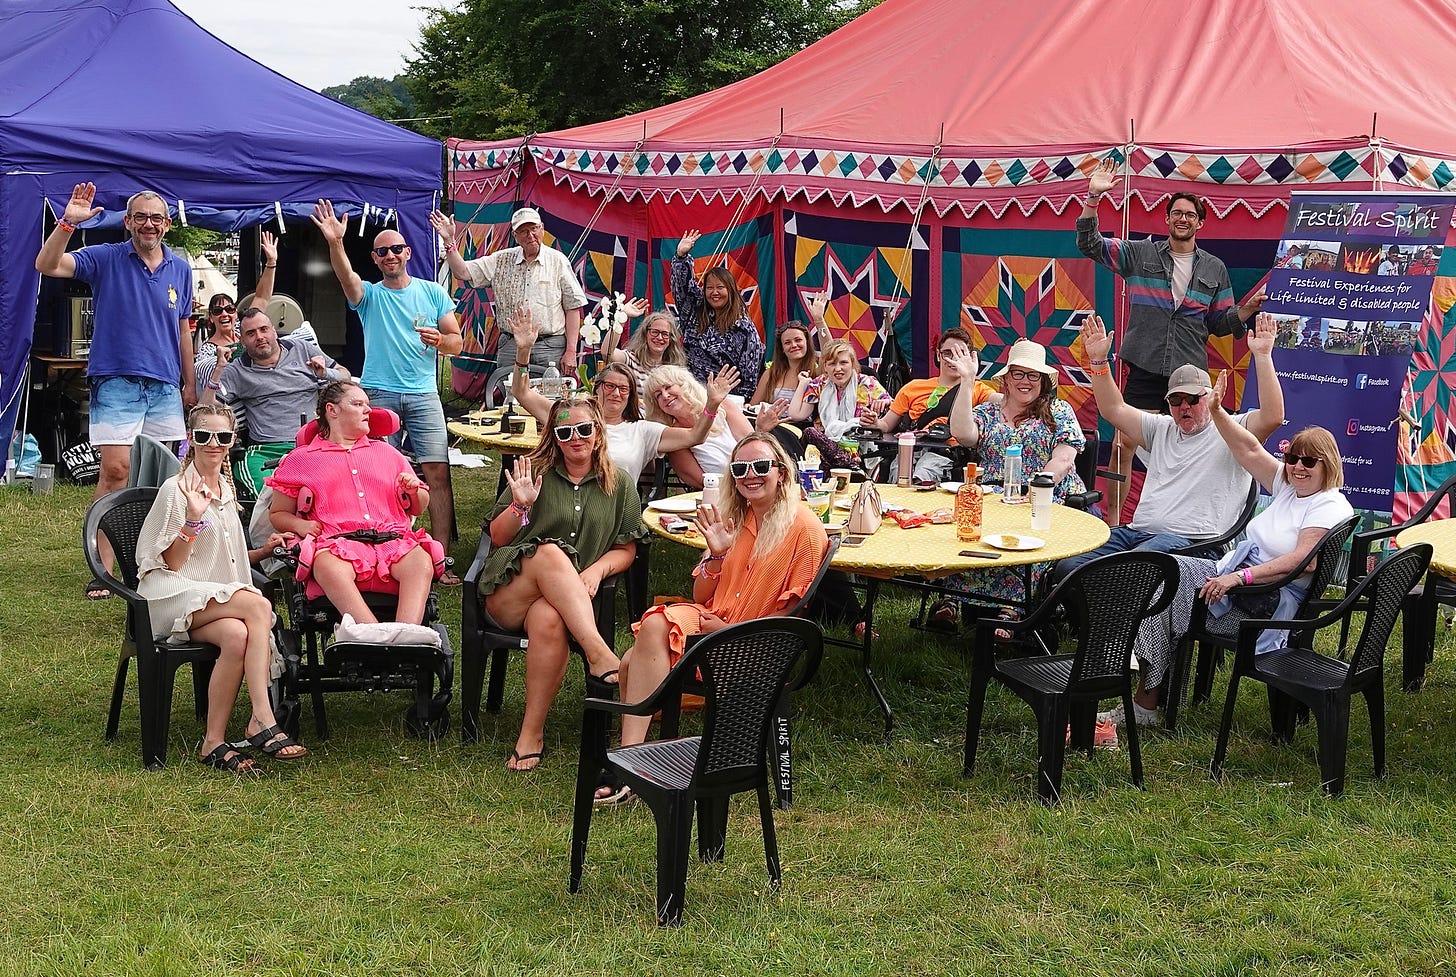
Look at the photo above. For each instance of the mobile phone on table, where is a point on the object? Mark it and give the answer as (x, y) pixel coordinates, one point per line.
(982, 554)
(853, 541)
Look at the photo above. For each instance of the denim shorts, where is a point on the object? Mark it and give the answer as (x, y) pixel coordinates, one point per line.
(124, 407)
(422, 421)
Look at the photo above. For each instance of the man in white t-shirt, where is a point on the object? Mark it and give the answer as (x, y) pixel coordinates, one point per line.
(1194, 488)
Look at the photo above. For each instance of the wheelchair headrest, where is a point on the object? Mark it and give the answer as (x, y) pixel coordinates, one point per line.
(382, 423)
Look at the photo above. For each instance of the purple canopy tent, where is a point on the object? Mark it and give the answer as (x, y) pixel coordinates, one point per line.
(131, 95)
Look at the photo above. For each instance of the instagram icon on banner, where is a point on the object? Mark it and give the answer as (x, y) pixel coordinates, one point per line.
(1352, 427)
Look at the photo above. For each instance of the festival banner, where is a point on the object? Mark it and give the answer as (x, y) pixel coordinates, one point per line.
(1350, 286)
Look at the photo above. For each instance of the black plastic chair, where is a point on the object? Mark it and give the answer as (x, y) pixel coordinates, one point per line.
(1214, 636)
(481, 638)
(120, 516)
(1106, 600)
(1326, 685)
(1221, 542)
(783, 715)
(746, 671)
(1418, 636)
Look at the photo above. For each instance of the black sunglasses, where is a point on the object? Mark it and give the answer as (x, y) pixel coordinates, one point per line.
(390, 249)
(583, 430)
(220, 309)
(1290, 458)
(759, 467)
(203, 436)
(1178, 400)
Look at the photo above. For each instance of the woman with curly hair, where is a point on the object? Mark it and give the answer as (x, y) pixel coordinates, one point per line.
(566, 521)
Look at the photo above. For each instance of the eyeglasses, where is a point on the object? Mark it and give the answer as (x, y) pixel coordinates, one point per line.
(1023, 374)
(390, 249)
(759, 467)
(584, 430)
(158, 219)
(202, 436)
(1290, 458)
(660, 333)
(1178, 400)
(1191, 215)
(620, 389)
(219, 310)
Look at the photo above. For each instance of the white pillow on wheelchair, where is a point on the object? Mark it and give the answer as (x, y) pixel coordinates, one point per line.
(386, 633)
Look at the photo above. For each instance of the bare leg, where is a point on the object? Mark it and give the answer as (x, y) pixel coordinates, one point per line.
(644, 666)
(414, 574)
(546, 658)
(548, 575)
(336, 577)
(253, 611)
(231, 635)
(115, 470)
(442, 501)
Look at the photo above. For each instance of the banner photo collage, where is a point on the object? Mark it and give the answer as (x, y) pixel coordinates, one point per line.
(1351, 283)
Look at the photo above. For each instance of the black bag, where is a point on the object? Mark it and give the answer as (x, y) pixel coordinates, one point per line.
(81, 463)
(1256, 605)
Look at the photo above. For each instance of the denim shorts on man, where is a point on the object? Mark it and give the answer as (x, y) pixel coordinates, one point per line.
(124, 407)
(422, 419)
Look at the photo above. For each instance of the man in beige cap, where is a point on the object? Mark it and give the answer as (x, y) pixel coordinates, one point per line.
(530, 276)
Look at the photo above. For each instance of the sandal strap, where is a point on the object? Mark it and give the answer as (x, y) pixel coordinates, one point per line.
(271, 740)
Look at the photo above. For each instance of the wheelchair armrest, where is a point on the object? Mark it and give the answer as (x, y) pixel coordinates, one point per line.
(1082, 500)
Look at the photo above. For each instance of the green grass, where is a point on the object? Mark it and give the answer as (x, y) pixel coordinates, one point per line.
(382, 854)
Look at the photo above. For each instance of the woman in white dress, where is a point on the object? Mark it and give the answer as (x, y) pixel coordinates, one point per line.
(193, 568)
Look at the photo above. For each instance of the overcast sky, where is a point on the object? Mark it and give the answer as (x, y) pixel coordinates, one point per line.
(317, 43)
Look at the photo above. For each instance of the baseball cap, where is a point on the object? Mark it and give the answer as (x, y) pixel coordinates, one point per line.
(526, 215)
(1188, 379)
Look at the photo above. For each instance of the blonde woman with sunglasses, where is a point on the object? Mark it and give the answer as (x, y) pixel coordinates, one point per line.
(764, 548)
(566, 521)
(193, 568)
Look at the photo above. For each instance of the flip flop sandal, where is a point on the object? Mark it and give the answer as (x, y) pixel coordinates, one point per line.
(97, 590)
(225, 757)
(272, 741)
(519, 758)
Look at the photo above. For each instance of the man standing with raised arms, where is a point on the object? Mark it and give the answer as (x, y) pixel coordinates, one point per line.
(140, 368)
(1178, 296)
(399, 314)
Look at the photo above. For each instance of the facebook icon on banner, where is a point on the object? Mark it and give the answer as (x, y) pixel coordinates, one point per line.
(1361, 379)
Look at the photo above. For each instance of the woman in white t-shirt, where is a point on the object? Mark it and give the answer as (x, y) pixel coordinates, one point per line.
(631, 444)
(1305, 485)
(678, 400)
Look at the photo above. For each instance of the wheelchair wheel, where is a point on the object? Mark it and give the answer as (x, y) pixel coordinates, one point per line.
(433, 727)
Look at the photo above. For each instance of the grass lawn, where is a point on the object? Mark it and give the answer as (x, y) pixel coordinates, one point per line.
(383, 854)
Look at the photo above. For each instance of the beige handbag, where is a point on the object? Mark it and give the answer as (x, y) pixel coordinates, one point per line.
(865, 512)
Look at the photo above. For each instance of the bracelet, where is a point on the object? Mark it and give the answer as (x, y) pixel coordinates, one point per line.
(709, 413)
(524, 510)
(266, 267)
(714, 556)
(1093, 199)
(450, 248)
(701, 570)
(1098, 362)
(184, 537)
(195, 524)
(1099, 373)
(523, 366)
(66, 226)
(1248, 577)
(214, 386)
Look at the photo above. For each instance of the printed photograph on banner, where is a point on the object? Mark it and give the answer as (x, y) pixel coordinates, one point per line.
(1363, 258)
(1345, 336)
(1307, 255)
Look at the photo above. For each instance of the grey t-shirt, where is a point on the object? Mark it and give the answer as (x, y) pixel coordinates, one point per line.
(277, 397)
(1194, 487)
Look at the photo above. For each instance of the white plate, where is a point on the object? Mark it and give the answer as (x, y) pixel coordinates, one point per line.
(951, 487)
(1017, 541)
(844, 502)
(679, 504)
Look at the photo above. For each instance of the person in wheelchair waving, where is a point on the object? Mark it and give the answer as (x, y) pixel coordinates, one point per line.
(350, 500)
(567, 520)
(192, 563)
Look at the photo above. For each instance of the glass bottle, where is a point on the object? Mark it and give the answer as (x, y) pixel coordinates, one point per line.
(968, 508)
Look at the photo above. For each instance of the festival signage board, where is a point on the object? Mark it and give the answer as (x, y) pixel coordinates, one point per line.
(1350, 285)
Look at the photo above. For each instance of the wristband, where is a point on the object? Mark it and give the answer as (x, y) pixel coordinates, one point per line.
(266, 267)
(1098, 362)
(1093, 199)
(1099, 373)
(701, 570)
(214, 386)
(66, 226)
(183, 535)
(709, 413)
(524, 510)
(450, 248)
(1248, 577)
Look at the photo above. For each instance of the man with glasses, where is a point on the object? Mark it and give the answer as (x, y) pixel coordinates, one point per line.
(406, 322)
(140, 369)
(1195, 488)
(1178, 294)
(276, 383)
(531, 276)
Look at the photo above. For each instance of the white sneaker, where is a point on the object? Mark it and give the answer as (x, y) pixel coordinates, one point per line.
(1143, 715)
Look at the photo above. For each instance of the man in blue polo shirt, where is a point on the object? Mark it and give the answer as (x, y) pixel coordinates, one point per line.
(140, 369)
(406, 322)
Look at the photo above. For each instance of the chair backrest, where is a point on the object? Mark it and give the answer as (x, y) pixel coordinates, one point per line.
(1386, 587)
(745, 669)
(1327, 562)
(1086, 460)
(120, 516)
(1108, 599)
(151, 462)
(498, 387)
(801, 609)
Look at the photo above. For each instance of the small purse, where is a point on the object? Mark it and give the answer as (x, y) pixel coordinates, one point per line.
(865, 512)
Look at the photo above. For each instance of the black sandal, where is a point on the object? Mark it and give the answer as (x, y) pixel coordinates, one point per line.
(225, 757)
(272, 741)
(97, 590)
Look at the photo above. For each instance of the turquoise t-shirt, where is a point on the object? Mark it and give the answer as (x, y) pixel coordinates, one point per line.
(394, 357)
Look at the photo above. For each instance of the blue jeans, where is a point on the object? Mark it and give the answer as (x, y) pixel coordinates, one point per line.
(1122, 540)
(421, 417)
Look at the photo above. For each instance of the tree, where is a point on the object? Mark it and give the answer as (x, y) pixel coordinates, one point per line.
(384, 98)
(503, 68)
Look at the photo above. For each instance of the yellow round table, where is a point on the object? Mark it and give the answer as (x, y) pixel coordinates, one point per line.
(483, 428)
(916, 557)
(1441, 534)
